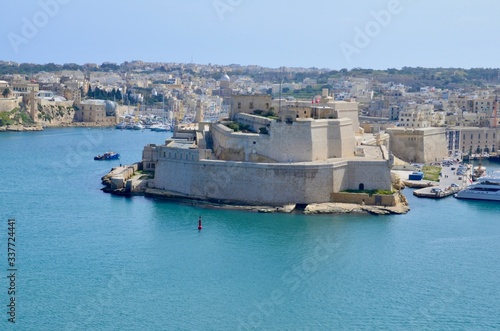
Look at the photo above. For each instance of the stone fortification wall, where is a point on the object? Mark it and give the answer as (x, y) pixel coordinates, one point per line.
(47, 113)
(248, 104)
(9, 104)
(246, 183)
(367, 175)
(347, 110)
(230, 145)
(418, 145)
(363, 198)
(255, 122)
(341, 140)
(302, 141)
(182, 154)
(266, 183)
(48, 103)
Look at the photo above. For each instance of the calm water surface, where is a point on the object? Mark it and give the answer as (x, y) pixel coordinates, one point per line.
(91, 261)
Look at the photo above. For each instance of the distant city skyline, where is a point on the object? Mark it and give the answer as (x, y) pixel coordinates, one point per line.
(376, 34)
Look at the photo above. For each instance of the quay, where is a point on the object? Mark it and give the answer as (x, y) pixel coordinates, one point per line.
(126, 180)
(436, 192)
(449, 183)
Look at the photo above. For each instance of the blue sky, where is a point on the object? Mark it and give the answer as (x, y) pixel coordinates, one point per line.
(375, 34)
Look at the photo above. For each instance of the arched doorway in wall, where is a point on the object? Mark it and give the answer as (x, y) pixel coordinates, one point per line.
(361, 187)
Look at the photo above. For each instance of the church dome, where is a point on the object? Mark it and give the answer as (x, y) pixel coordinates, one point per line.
(110, 108)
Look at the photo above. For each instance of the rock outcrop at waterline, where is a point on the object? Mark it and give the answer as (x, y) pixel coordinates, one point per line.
(20, 128)
(345, 208)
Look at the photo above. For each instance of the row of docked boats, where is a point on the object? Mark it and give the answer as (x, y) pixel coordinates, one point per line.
(492, 156)
(139, 126)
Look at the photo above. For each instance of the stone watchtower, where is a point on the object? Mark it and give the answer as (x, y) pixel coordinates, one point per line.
(199, 112)
(77, 97)
(33, 105)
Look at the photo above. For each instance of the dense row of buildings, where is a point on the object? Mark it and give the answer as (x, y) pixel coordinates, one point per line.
(464, 121)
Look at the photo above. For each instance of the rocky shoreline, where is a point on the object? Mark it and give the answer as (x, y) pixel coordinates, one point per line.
(20, 128)
(311, 209)
(345, 208)
(126, 181)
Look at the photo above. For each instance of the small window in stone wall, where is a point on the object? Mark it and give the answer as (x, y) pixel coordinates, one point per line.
(361, 187)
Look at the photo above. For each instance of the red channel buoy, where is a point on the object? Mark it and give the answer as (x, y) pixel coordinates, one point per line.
(199, 224)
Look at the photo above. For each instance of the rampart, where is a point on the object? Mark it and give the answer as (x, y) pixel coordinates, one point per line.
(305, 140)
(266, 183)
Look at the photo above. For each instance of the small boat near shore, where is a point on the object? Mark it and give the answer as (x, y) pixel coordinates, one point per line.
(138, 126)
(162, 128)
(121, 126)
(107, 156)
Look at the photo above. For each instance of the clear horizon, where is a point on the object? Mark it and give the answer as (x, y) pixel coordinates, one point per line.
(316, 34)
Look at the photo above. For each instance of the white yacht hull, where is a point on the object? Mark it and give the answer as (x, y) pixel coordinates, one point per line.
(478, 196)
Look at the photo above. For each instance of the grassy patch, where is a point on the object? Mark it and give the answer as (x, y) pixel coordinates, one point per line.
(269, 113)
(15, 116)
(263, 130)
(23, 117)
(5, 119)
(371, 192)
(431, 173)
(238, 127)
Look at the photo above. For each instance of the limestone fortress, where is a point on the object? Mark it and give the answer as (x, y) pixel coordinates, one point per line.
(285, 152)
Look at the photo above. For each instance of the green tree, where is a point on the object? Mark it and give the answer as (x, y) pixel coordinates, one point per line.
(6, 92)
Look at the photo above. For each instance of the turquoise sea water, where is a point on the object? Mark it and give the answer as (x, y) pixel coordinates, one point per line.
(91, 261)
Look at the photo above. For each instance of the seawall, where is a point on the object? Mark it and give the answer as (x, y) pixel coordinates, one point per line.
(274, 184)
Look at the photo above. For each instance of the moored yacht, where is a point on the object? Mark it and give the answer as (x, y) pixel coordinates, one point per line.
(486, 188)
(121, 125)
(138, 126)
(163, 128)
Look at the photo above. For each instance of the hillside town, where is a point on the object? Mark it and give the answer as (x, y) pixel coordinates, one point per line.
(425, 123)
